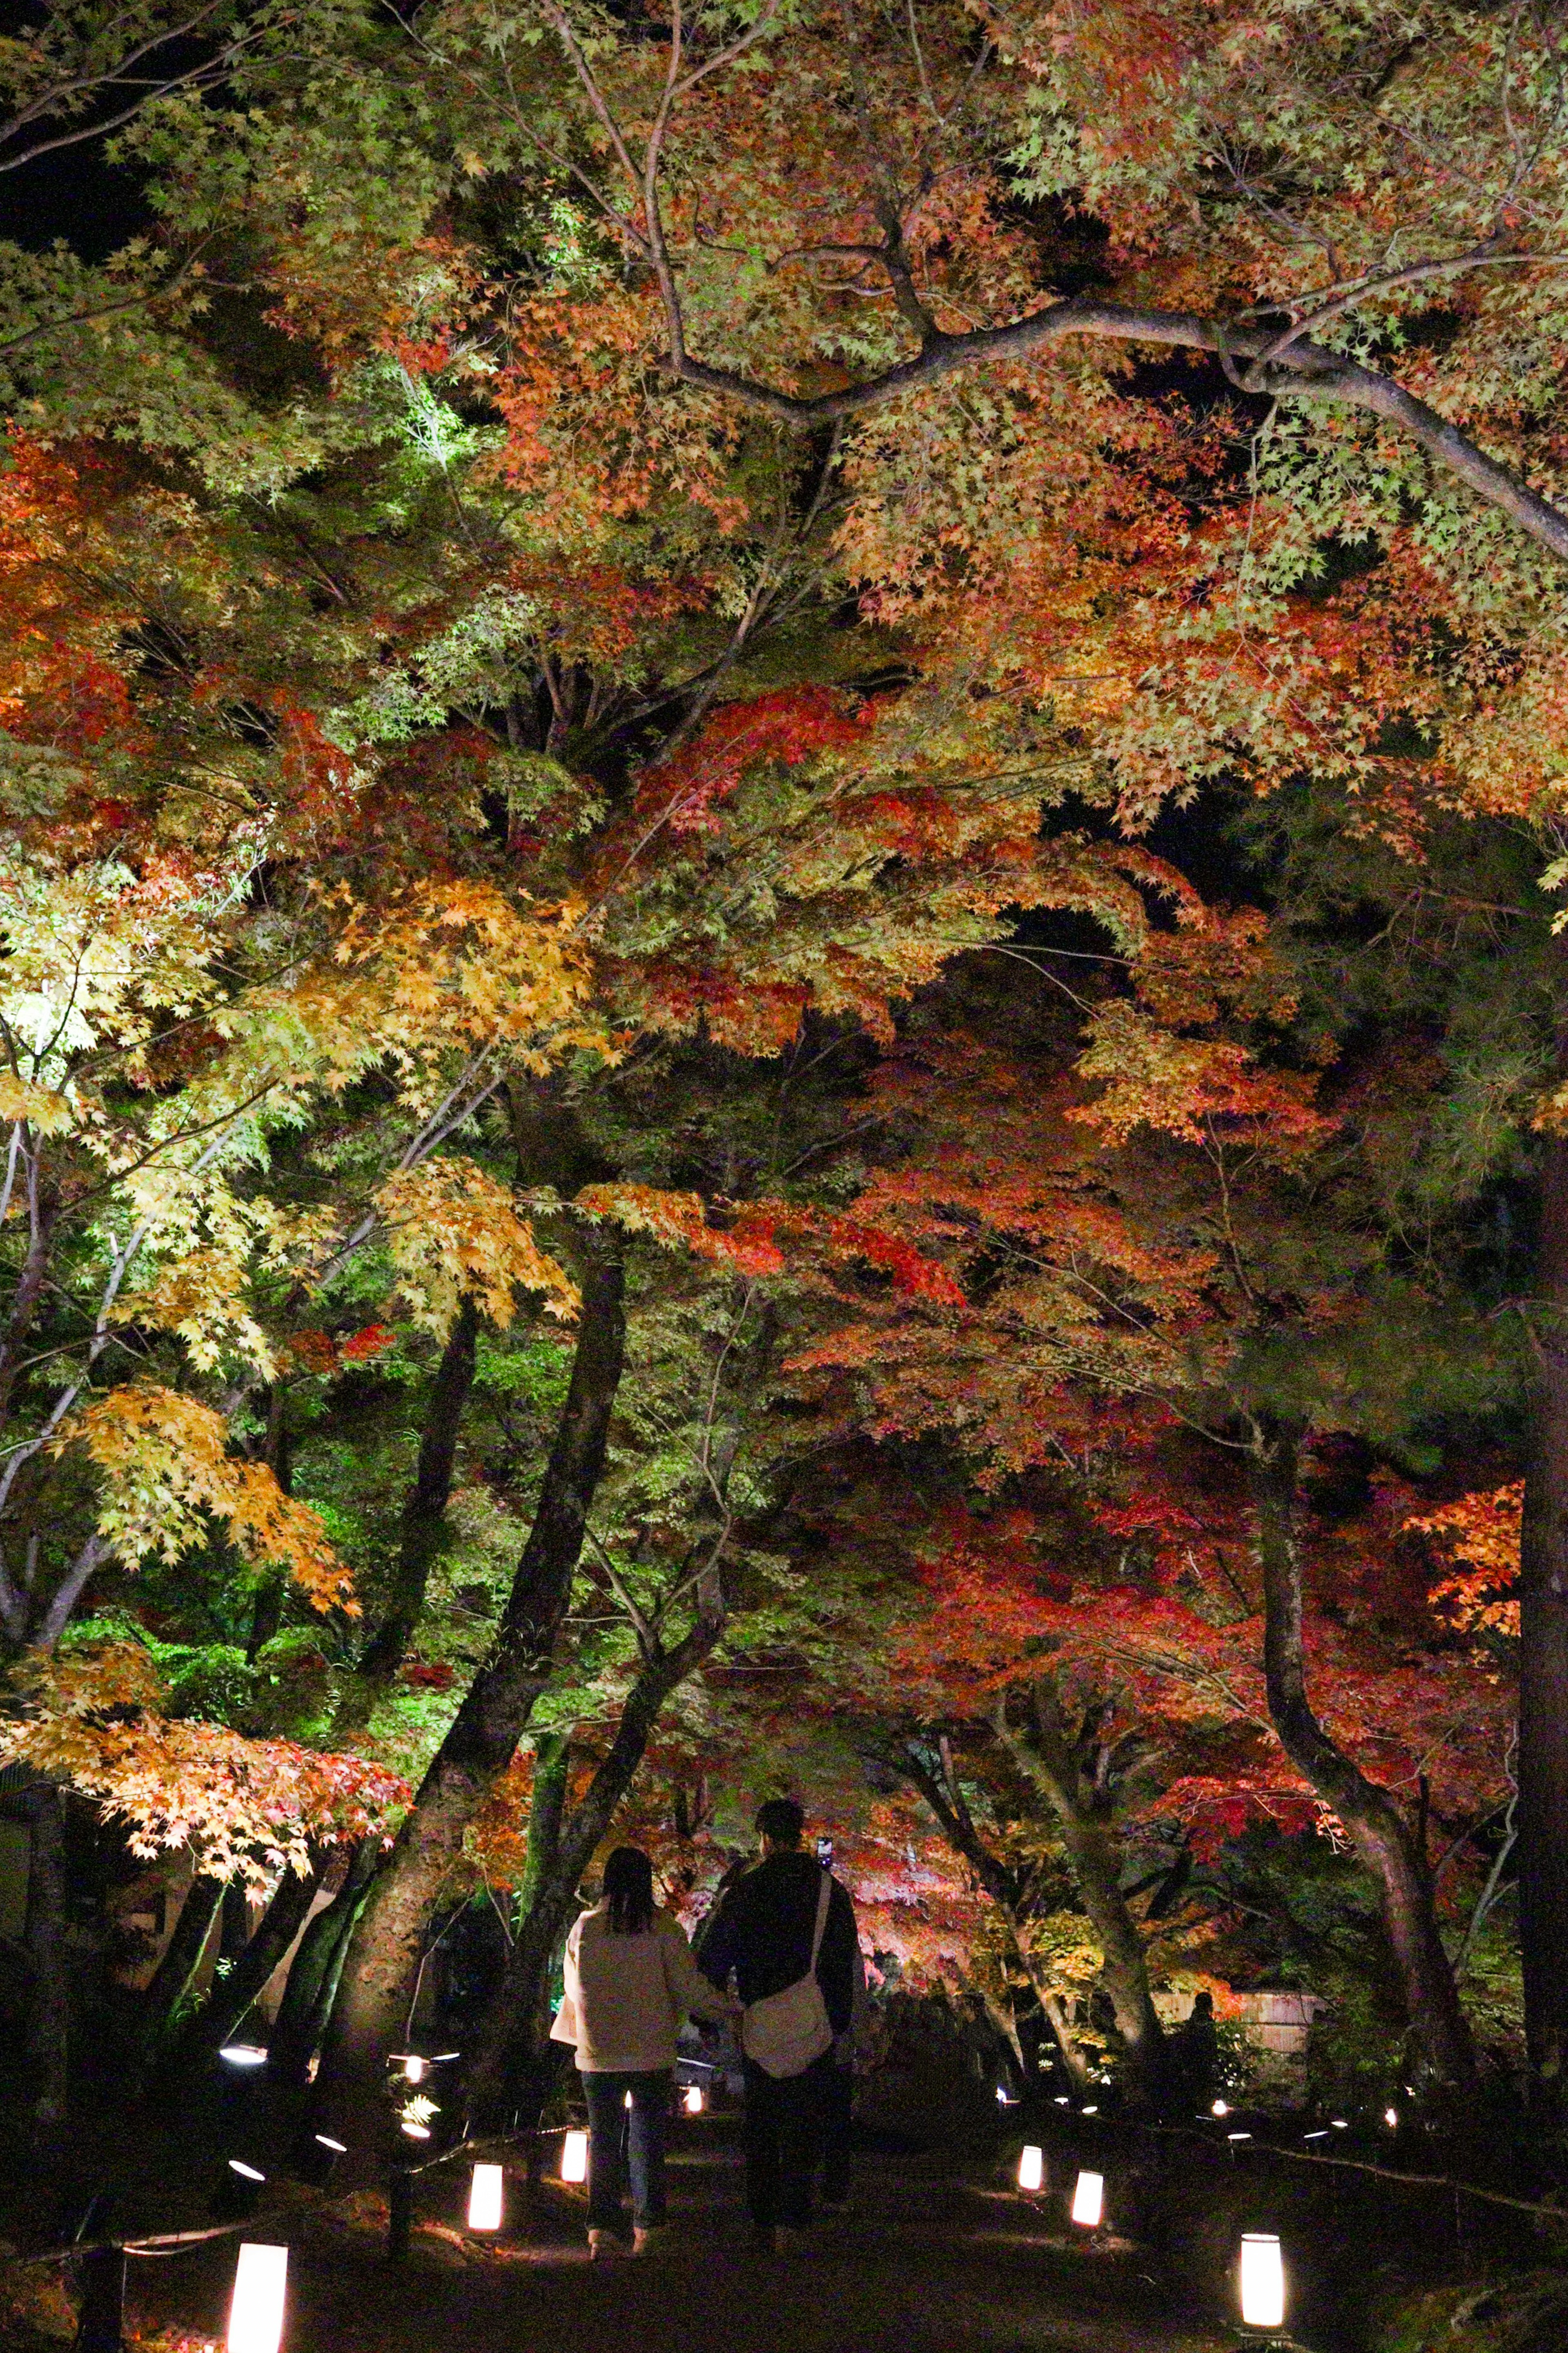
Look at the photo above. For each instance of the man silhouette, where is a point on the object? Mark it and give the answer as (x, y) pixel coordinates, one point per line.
(763, 1934)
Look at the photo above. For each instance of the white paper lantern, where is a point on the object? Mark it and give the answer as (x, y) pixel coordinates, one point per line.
(693, 2103)
(574, 2157)
(485, 2198)
(1031, 2168)
(1088, 2200)
(1262, 2281)
(256, 2314)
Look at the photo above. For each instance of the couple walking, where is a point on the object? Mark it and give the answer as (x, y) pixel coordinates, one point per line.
(784, 1934)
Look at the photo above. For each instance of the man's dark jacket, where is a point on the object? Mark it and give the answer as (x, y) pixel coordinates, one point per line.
(762, 1931)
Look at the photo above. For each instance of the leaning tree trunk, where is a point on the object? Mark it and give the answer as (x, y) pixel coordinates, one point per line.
(424, 1529)
(305, 2012)
(546, 1813)
(380, 1976)
(1004, 1886)
(234, 1994)
(515, 2012)
(1051, 1763)
(1543, 1649)
(1371, 1821)
(168, 1990)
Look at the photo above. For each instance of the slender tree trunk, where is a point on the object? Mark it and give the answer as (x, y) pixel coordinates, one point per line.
(1544, 1651)
(232, 1997)
(1002, 1884)
(381, 1971)
(1371, 1818)
(552, 1778)
(234, 1933)
(516, 2010)
(1095, 1862)
(168, 1989)
(49, 2003)
(1073, 2057)
(425, 1515)
(1005, 2026)
(306, 2008)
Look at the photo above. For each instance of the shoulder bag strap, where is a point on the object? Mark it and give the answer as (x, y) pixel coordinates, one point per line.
(823, 1894)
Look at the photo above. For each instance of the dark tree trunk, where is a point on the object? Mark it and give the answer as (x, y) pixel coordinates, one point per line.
(425, 1514)
(1544, 1660)
(1096, 1864)
(381, 1972)
(306, 2008)
(49, 2001)
(547, 1808)
(232, 1996)
(1007, 1890)
(169, 1987)
(515, 2012)
(234, 1933)
(1371, 1821)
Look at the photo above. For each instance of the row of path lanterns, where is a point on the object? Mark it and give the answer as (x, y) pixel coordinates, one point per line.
(261, 2274)
(261, 2285)
(1262, 2259)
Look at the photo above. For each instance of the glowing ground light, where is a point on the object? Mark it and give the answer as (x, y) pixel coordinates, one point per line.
(415, 2132)
(256, 2312)
(246, 2172)
(1031, 2168)
(338, 2148)
(693, 2101)
(1088, 2200)
(1220, 2108)
(1262, 2281)
(243, 2054)
(485, 2198)
(1391, 2116)
(1093, 2111)
(575, 2156)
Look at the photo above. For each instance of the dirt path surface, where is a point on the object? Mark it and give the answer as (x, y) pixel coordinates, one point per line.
(935, 2260)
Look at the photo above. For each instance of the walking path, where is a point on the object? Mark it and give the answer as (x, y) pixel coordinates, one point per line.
(936, 2260)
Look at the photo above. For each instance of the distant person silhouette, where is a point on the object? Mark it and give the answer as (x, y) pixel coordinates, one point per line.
(1194, 2056)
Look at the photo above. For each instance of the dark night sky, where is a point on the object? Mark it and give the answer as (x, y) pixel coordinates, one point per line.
(73, 194)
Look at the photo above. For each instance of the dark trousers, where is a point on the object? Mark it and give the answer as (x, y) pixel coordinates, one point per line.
(783, 2139)
(613, 2131)
(838, 2124)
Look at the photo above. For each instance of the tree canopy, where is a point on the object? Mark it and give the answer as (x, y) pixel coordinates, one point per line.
(782, 1001)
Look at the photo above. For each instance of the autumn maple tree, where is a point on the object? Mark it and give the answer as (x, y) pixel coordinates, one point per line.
(598, 608)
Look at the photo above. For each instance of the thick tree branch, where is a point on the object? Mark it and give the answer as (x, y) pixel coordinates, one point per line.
(1308, 373)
